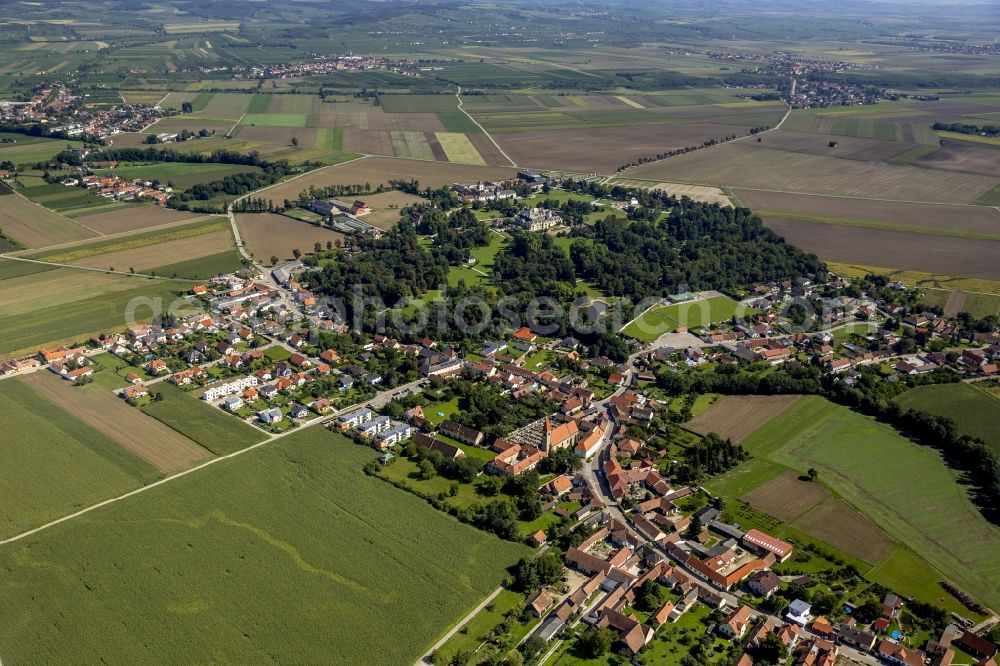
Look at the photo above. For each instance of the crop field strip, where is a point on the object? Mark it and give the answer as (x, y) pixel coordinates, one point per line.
(736, 417)
(96, 405)
(746, 166)
(209, 426)
(264, 521)
(939, 254)
(458, 148)
(871, 467)
(604, 149)
(132, 241)
(99, 310)
(62, 462)
(131, 220)
(35, 226)
(268, 234)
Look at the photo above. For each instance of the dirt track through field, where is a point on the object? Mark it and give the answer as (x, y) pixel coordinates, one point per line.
(161, 446)
(135, 219)
(736, 417)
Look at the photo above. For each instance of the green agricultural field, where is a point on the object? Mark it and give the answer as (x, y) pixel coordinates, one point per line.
(456, 121)
(991, 198)
(22, 149)
(251, 558)
(329, 138)
(184, 175)
(458, 148)
(657, 321)
(913, 154)
(903, 488)
(412, 145)
(103, 312)
(54, 464)
(61, 198)
(275, 119)
(203, 267)
(259, 104)
(200, 101)
(975, 412)
(217, 431)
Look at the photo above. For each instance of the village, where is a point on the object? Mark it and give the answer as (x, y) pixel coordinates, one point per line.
(267, 351)
(69, 114)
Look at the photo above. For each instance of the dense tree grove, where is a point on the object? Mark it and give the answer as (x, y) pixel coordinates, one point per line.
(453, 235)
(698, 246)
(390, 268)
(965, 128)
(709, 456)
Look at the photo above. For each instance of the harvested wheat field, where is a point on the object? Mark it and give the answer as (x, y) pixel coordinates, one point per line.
(136, 218)
(267, 235)
(848, 147)
(161, 254)
(695, 192)
(380, 170)
(964, 156)
(35, 226)
(806, 207)
(943, 255)
(604, 149)
(741, 165)
(786, 496)
(386, 206)
(835, 522)
(736, 417)
(490, 152)
(97, 406)
(368, 142)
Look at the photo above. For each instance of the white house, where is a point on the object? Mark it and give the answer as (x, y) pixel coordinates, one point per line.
(798, 612)
(232, 403)
(222, 390)
(355, 418)
(374, 426)
(395, 435)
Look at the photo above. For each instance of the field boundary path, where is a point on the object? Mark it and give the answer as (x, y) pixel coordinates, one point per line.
(424, 660)
(382, 398)
(106, 237)
(35, 203)
(844, 196)
(97, 270)
(461, 107)
(235, 125)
